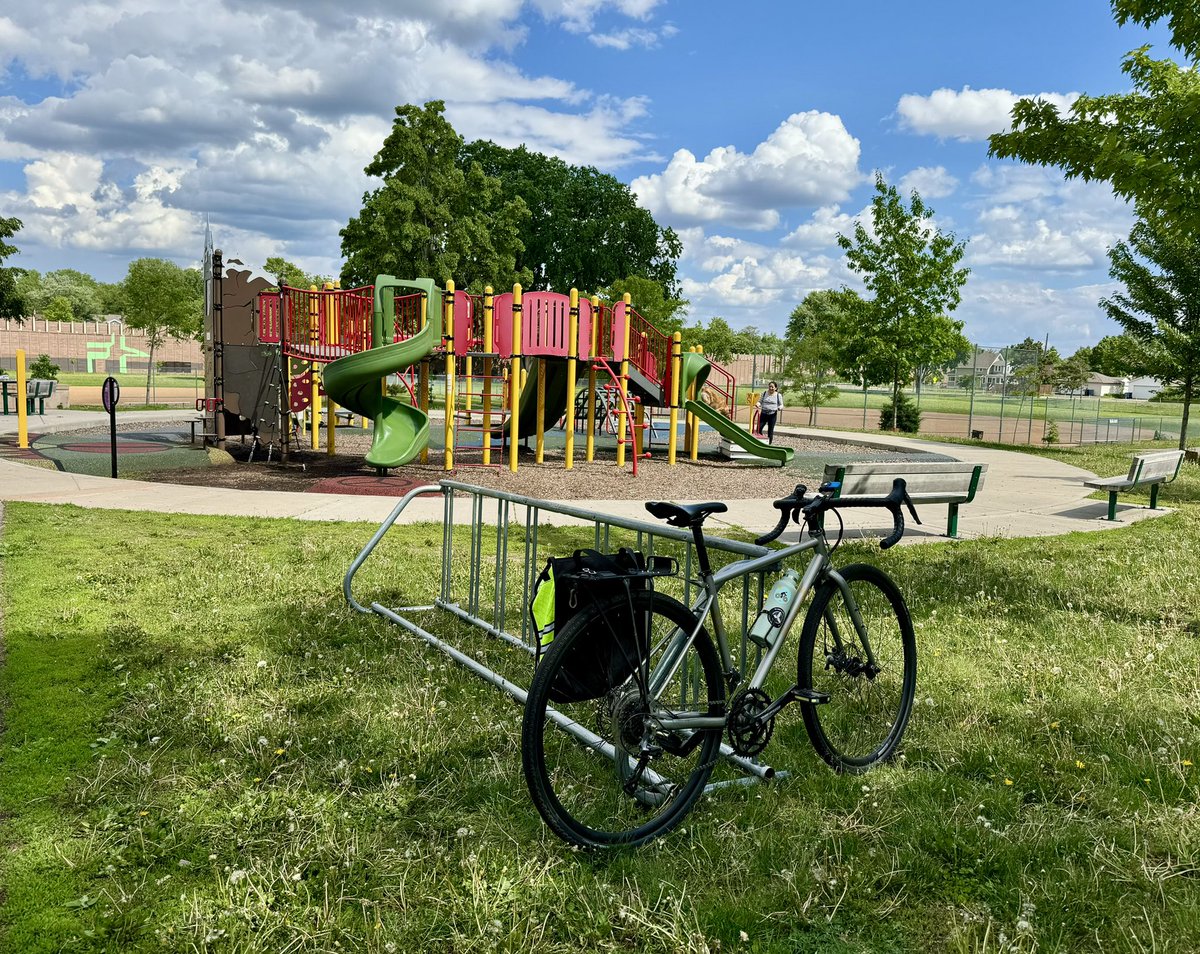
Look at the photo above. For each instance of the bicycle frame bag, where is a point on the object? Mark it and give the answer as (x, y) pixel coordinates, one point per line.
(607, 653)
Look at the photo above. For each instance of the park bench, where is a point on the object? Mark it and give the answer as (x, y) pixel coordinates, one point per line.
(36, 392)
(950, 482)
(1151, 470)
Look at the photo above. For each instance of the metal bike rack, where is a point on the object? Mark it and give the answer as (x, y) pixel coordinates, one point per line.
(506, 529)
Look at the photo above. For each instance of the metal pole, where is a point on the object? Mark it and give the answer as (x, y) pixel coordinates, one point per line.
(974, 375)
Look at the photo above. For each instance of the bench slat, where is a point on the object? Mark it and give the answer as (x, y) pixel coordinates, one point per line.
(948, 482)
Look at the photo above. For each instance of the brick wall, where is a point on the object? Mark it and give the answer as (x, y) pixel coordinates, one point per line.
(101, 347)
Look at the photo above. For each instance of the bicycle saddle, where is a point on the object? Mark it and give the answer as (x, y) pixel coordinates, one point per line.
(684, 515)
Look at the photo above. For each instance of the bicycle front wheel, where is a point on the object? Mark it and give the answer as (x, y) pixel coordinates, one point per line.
(867, 667)
(628, 766)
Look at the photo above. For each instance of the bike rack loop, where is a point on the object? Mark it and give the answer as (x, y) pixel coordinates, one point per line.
(514, 523)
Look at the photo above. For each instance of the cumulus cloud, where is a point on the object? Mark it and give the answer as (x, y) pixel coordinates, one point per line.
(1001, 312)
(808, 160)
(628, 39)
(968, 115)
(264, 117)
(932, 182)
(1033, 218)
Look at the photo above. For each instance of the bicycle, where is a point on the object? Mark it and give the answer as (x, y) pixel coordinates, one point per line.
(653, 740)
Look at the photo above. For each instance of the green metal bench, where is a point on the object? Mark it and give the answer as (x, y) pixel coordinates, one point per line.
(36, 392)
(950, 482)
(1146, 470)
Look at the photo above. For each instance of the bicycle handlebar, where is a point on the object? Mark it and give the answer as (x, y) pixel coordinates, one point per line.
(812, 507)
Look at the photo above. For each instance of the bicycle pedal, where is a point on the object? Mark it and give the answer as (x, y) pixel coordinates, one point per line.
(811, 696)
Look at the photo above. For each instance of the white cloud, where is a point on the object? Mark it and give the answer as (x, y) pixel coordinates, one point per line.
(969, 115)
(634, 37)
(1033, 218)
(808, 160)
(932, 182)
(823, 228)
(1003, 312)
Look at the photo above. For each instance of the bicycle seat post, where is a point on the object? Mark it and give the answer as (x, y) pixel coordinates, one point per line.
(701, 549)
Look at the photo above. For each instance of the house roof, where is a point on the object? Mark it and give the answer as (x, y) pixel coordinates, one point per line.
(1098, 378)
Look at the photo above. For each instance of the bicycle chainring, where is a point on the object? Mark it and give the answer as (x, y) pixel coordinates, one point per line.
(749, 734)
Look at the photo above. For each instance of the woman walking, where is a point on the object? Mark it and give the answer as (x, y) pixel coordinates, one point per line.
(769, 407)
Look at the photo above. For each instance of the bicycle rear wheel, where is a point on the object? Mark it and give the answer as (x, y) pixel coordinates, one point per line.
(870, 697)
(629, 779)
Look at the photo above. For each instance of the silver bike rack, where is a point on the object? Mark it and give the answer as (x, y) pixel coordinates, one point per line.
(491, 588)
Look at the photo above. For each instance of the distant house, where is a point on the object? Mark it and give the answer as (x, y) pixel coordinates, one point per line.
(1103, 385)
(990, 369)
(1143, 388)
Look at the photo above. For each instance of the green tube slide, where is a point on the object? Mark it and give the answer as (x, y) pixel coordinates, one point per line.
(355, 381)
(695, 368)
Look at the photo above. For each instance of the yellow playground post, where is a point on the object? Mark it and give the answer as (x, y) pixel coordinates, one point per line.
(448, 334)
(623, 384)
(487, 375)
(572, 353)
(22, 404)
(676, 365)
(514, 380)
(593, 351)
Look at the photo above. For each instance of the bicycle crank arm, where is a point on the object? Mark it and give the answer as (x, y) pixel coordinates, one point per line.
(795, 694)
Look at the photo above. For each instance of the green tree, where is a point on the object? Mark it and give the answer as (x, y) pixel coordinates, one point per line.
(79, 288)
(165, 301)
(820, 345)
(716, 338)
(911, 269)
(1160, 307)
(44, 369)
(1071, 374)
(111, 298)
(285, 273)
(12, 303)
(650, 300)
(1114, 355)
(58, 309)
(1143, 141)
(585, 229)
(430, 217)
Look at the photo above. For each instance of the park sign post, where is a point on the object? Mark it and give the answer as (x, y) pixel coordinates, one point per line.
(110, 394)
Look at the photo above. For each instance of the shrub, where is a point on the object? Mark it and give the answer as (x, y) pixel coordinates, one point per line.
(908, 418)
(1051, 435)
(44, 368)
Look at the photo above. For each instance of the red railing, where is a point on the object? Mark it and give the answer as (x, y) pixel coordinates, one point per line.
(649, 349)
(408, 316)
(721, 390)
(325, 325)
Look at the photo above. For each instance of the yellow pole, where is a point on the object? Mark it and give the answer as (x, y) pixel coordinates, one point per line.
(676, 366)
(695, 418)
(448, 328)
(22, 404)
(423, 379)
(514, 380)
(572, 354)
(488, 343)
(623, 383)
(590, 448)
(540, 430)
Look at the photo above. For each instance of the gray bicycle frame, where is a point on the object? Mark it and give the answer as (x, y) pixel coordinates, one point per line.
(819, 568)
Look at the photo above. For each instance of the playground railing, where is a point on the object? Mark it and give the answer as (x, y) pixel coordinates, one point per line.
(269, 329)
(494, 545)
(649, 349)
(407, 321)
(723, 386)
(324, 325)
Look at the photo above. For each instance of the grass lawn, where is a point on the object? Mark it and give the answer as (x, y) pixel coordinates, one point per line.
(204, 749)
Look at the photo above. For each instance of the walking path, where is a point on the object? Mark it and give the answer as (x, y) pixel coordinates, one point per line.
(1023, 495)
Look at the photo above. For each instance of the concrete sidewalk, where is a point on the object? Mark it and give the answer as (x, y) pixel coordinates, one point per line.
(1023, 495)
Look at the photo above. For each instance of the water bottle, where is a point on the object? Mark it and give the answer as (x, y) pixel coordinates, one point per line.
(766, 628)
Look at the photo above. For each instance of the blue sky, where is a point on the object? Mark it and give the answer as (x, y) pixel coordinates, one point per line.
(753, 129)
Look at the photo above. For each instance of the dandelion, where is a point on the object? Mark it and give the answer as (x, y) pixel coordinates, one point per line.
(1079, 764)
(279, 751)
(237, 876)
(1054, 725)
(1186, 762)
(262, 664)
(743, 936)
(1008, 781)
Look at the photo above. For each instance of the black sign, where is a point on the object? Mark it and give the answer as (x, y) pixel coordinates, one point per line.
(110, 394)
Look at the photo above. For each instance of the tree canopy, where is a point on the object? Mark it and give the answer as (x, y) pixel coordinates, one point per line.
(911, 269)
(12, 304)
(431, 217)
(821, 335)
(585, 228)
(1160, 307)
(650, 300)
(1144, 141)
(165, 301)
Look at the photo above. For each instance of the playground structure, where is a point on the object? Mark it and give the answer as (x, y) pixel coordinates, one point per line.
(511, 364)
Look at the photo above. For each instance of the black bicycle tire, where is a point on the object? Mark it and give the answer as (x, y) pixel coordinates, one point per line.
(828, 590)
(535, 723)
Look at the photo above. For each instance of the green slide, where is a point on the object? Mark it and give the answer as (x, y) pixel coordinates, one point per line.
(401, 430)
(695, 368)
(556, 398)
